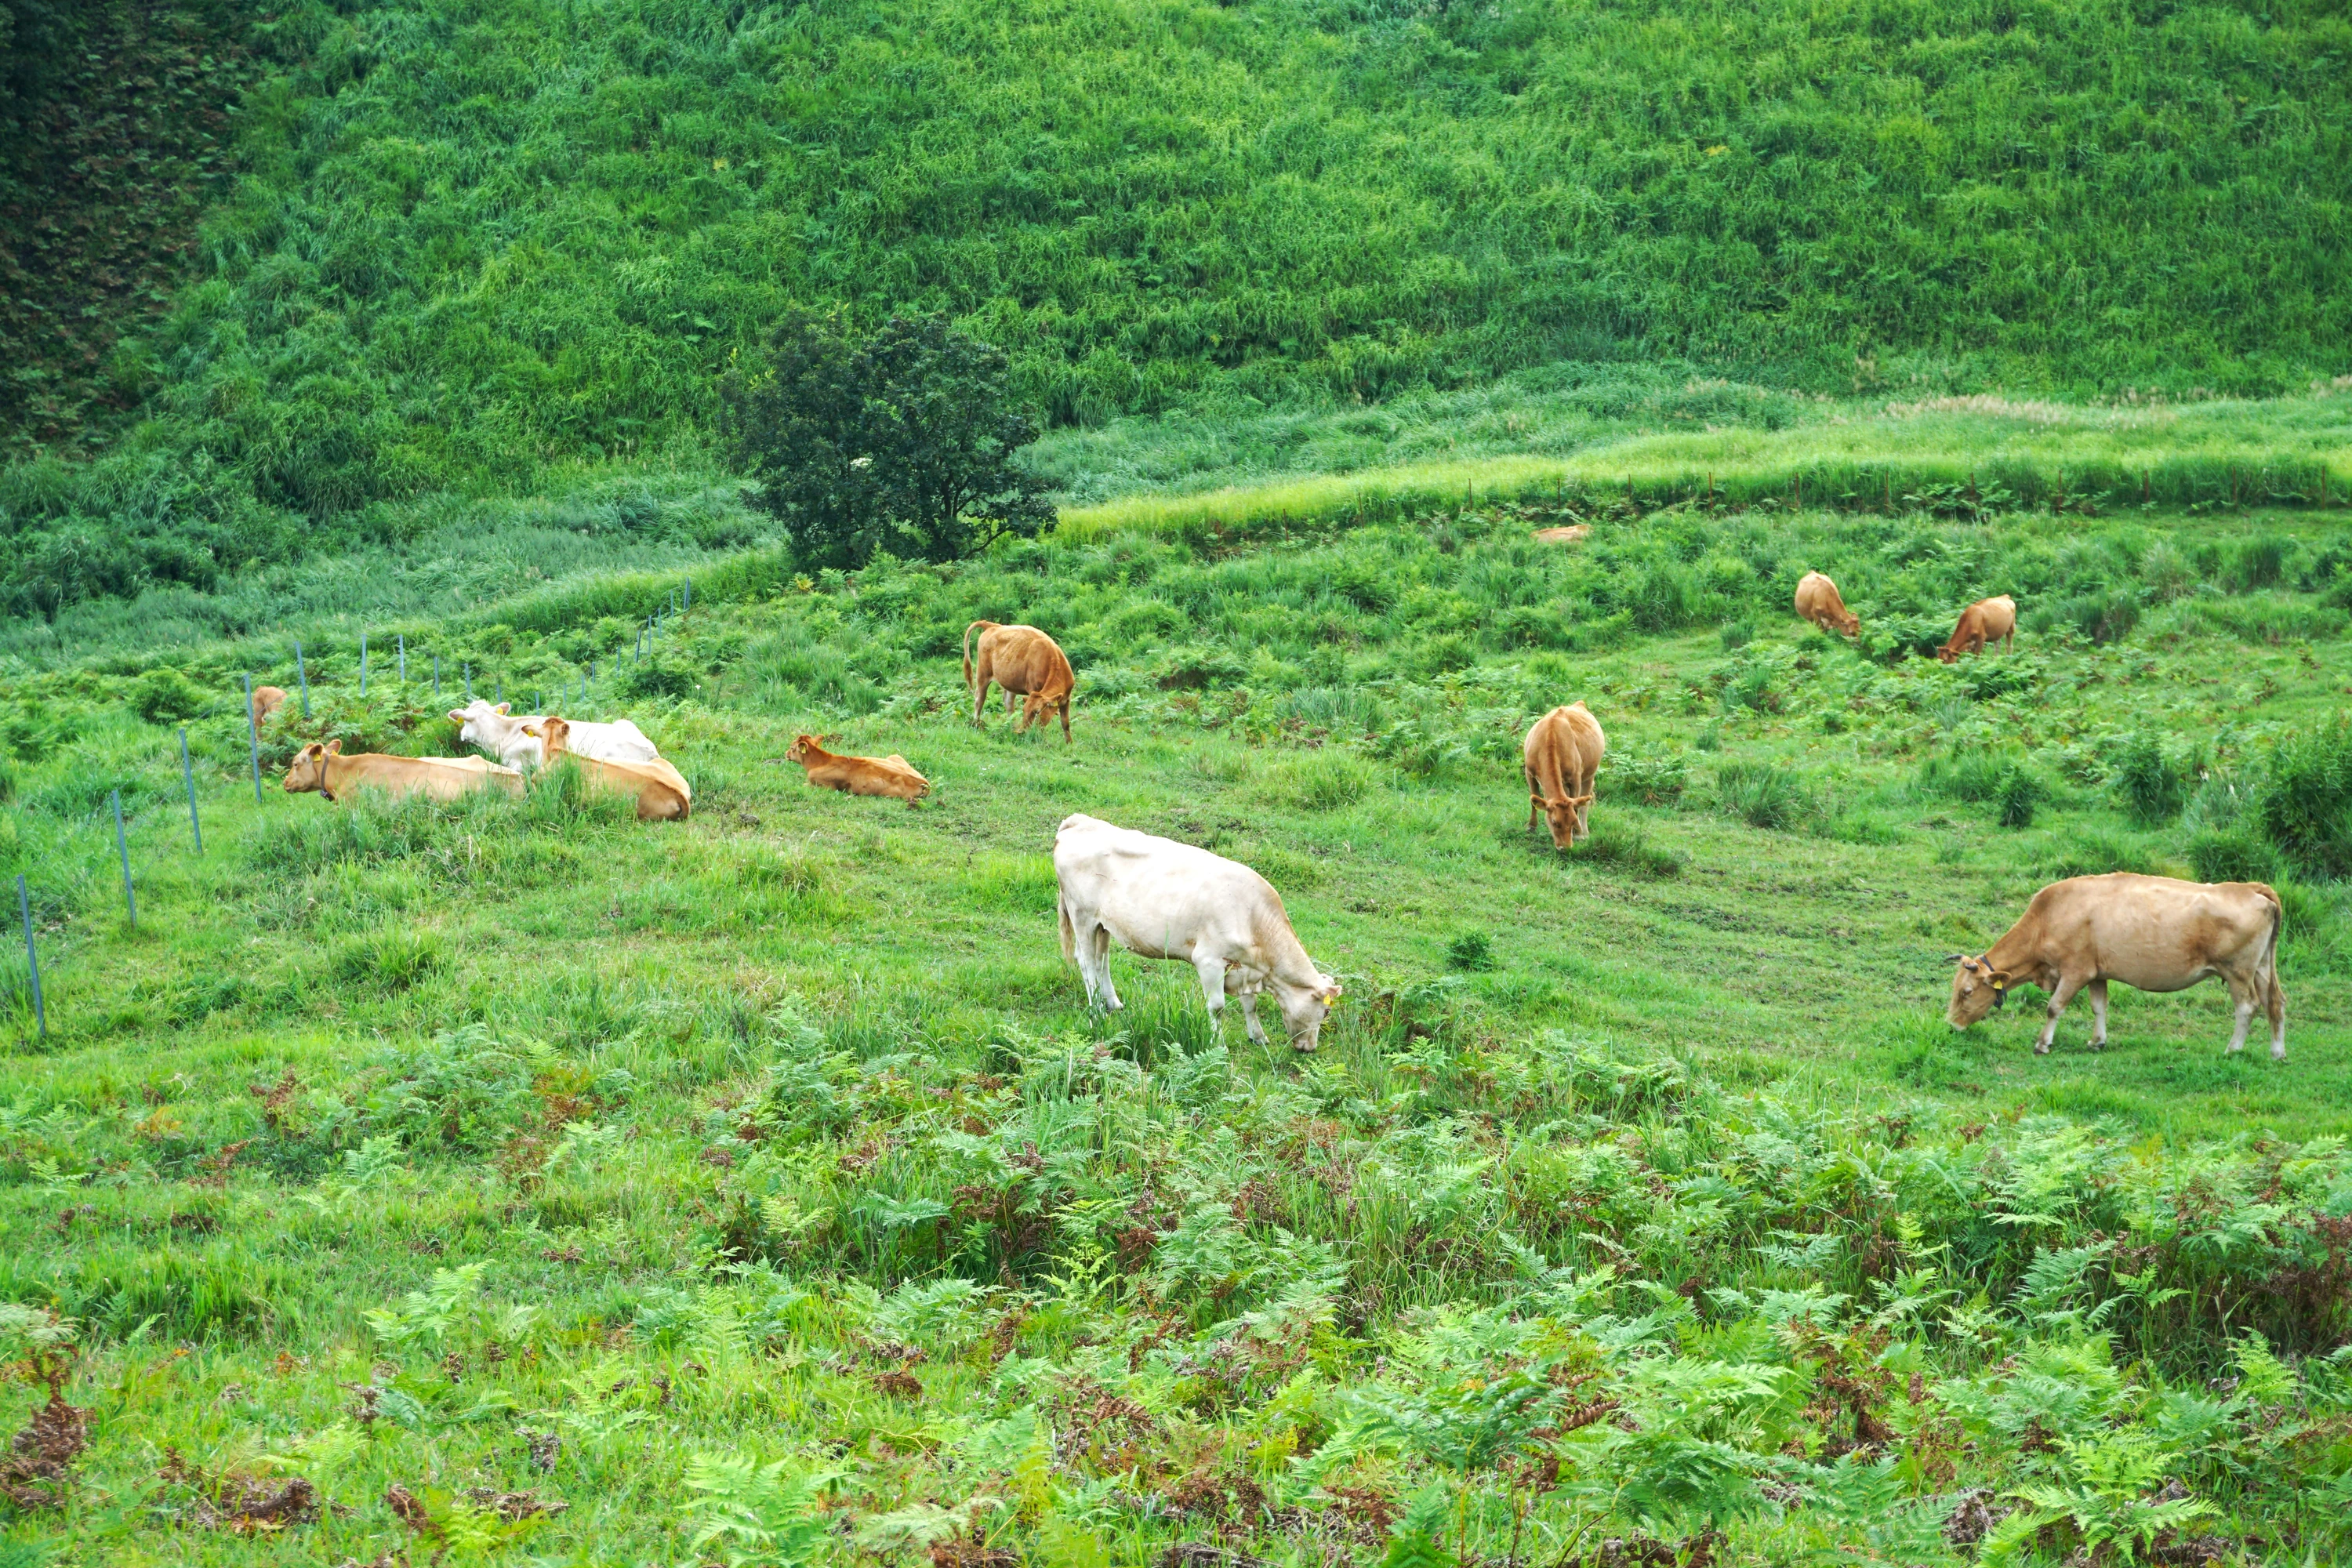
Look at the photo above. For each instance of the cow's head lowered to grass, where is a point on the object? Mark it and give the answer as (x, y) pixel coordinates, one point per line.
(1568, 816)
(1304, 1008)
(1977, 989)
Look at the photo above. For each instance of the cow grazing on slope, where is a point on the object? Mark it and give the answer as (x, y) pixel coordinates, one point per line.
(1818, 602)
(661, 794)
(892, 775)
(323, 767)
(509, 736)
(1986, 621)
(1026, 663)
(2156, 933)
(1562, 754)
(1159, 899)
(267, 699)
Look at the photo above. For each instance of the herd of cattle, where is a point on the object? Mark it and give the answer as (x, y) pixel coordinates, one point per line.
(1160, 899)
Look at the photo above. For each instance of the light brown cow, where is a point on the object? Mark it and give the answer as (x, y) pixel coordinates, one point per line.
(323, 767)
(1818, 602)
(1563, 751)
(659, 790)
(1026, 663)
(267, 699)
(1984, 622)
(1570, 533)
(892, 775)
(2156, 933)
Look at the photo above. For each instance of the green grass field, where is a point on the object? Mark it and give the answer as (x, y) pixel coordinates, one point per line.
(759, 1189)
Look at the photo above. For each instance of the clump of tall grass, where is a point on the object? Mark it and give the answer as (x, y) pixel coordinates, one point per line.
(1762, 794)
(2304, 804)
(2151, 782)
(1323, 780)
(1628, 847)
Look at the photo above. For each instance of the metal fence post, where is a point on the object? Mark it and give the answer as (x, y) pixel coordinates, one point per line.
(688, 603)
(188, 775)
(404, 656)
(303, 676)
(253, 737)
(436, 678)
(122, 848)
(469, 668)
(32, 959)
(363, 664)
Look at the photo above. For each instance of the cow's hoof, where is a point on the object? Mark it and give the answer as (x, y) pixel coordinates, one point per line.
(2278, 1053)
(2041, 1050)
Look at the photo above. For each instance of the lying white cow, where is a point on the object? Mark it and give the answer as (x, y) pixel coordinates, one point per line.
(500, 733)
(1159, 899)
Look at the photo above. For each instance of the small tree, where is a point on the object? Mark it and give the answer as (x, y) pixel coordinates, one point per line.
(903, 440)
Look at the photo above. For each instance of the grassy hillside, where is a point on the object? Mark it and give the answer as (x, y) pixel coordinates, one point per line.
(488, 1159)
(470, 250)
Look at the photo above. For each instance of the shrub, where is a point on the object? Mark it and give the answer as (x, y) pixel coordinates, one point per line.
(2018, 793)
(2257, 562)
(1762, 794)
(1649, 780)
(1320, 781)
(1737, 634)
(164, 696)
(2233, 853)
(2151, 786)
(2093, 854)
(2305, 801)
(1472, 950)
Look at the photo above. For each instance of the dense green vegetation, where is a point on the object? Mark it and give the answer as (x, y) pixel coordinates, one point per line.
(472, 249)
(760, 1185)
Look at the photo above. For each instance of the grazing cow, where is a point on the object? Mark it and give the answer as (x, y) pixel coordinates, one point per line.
(1569, 534)
(1563, 751)
(892, 775)
(324, 768)
(2157, 933)
(1986, 621)
(660, 792)
(509, 736)
(1159, 899)
(267, 699)
(1818, 602)
(1026, 663)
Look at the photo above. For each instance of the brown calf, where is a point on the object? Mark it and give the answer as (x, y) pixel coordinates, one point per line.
(1818, 602)
(267, 699)
(324, 768)
(1986, 621)
(660, 792)
(1026, 663)
(1562, 754)
(891, 775)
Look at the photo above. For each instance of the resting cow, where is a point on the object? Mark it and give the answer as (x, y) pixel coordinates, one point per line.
(324, 768)
(660, 792)
(510, 737)
(892, 775)
(267, 699)
(1026, 663)
(1818, 602)
(1159, 899)
(2156, 933)
(1986, 621)
(1562, 754)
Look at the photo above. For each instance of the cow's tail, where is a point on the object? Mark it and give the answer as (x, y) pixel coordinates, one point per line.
(2269, 970)
(975, 626)
(1069, 930)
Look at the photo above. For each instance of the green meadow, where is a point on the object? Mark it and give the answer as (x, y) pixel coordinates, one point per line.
(514, 1180)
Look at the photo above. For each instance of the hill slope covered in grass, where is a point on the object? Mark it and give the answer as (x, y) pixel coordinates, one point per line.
(475, 250)
(765, 1174)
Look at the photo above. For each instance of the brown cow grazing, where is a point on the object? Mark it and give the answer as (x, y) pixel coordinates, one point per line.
(1818, 602)
(1563, 751)
(2157, 933)
(892, 775)
(1984, 622)
(1026, 662)
(323, 767)
(660, 792)
(267, 699)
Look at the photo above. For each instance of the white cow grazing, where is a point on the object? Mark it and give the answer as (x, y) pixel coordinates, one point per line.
(496, 730)
(1159, 899)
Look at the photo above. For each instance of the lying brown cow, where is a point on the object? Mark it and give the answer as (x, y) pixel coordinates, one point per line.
(1818, 602)
(2156, 933)
(1026, 663)
(891, 775)
(267, 699)
(1986, 621)
(1563, 751)
(659, 790)
(324, 768)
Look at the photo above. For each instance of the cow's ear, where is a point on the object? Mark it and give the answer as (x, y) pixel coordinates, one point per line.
(532, 730)
(457, 715)
(335, 747)
(2002, 978)
(1331, 995)
(506, 708)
